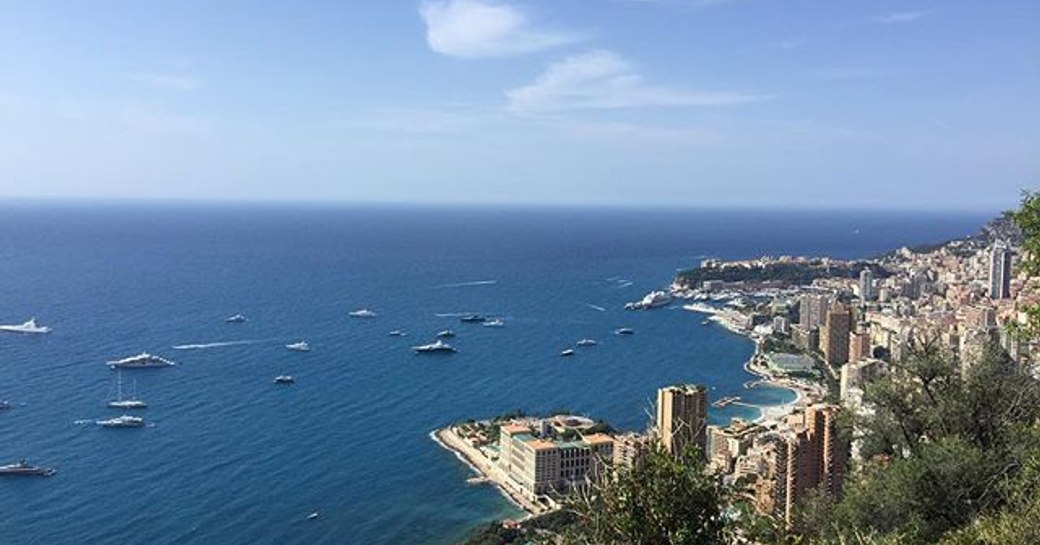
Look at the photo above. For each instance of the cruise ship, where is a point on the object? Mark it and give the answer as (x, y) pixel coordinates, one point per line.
(140, 361)
(301, 346)
(236, 319)
(24, 469)
(435, 347)
(363, 313)
(30, 327)
(125, 421)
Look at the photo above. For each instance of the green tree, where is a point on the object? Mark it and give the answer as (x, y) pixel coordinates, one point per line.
(661, 501)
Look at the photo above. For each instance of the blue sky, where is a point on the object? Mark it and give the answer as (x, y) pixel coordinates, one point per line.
(825, 103)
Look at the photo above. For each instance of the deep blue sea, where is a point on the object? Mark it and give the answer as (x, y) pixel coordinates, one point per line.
(233, 459)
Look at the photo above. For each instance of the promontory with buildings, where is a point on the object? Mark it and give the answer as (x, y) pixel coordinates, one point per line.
(823, 327)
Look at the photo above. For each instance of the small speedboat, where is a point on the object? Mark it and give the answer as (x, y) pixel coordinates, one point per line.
(24, 469)
(446, 334)
(706, 322)
(473, 319)
(398, 333)
(284, 379)
(587, 342)
(567, 352)
(438, 346)
(141, 361)
(236, 319)
(125, 421)
(363, 313)
(301, 346)
(497, 322)
(624, 331)
(312, 516)
(30, 327)
(4, 405)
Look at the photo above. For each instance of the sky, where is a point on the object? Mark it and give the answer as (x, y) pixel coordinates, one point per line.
(776, 103)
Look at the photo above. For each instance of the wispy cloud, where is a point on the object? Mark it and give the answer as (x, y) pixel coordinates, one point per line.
(172, 82)
(602, 80)
(485, 28)
(900, 17)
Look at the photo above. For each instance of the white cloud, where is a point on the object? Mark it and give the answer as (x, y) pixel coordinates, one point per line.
(484, 28)
(900, 17)
(603, 80)
(173, 82)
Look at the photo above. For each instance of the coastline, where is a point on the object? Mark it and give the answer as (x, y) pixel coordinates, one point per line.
(724, 318)
(486, 469)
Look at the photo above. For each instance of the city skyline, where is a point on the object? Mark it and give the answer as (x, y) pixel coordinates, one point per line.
(665, 102)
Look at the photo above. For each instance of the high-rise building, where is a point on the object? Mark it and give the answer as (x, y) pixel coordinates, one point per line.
(682, 417)
(859, 346)
(834, 336)
(1000, 272)
(812, 310)
(866, 285)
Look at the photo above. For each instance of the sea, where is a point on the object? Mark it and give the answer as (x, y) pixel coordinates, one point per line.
(230, 458)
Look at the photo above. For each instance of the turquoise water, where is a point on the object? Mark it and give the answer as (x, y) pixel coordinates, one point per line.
(233, 459)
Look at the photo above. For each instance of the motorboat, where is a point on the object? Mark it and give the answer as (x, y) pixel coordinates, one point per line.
(30, 327)
(363, 313)
(24, 469)
(125, 421)
(284, 379)
(4, 405)
(438, 346)
(587, 342)
(236, 319)
(398, 333)
(497, 322)
(624, 331)
(446, 334)
(141, 361)
(301, 346)
(473, 319)
(568, 352)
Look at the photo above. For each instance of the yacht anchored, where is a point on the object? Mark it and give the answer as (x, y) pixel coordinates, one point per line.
(446, 334)
(140, 361)
(125, 421)
(438, 346)
(473, 319)
(363, 313)
(236, 319)
(587, 342)
(624, 331)
(129, 403)
(30, 327)
(654, 299)
(301, 346)
(497, 322)
(284, 379)
(567, 352)
(23, 469)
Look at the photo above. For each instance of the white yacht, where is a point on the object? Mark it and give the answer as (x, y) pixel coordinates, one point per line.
(284, 379)
(438, 346)
(4, 404)
(363, 313)
(125, 421)
(23, 469)
(236, 319)
(446, 334)
(654, 299)
(398, 333)
(587, 342)
(301, 346)
(30, 327)
(624, 331)
(567, 352)
(497, 322)
(128, 403)
(140, 361)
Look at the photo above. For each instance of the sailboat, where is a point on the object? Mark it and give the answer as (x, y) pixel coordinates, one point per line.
(128, 403)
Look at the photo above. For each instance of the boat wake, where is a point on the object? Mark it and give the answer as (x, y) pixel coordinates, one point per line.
(203, 346)
(468, 284)
(595, 307)
(624, 284)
